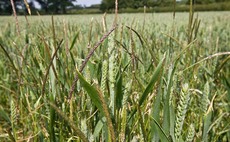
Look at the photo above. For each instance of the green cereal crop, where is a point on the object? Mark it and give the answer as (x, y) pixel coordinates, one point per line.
(152, 77)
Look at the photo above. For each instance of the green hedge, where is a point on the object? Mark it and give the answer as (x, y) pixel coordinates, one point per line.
(224, 6)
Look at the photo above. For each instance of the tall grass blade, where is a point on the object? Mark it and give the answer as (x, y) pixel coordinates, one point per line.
(74, 40)
(156, 112)
(207, 58)
(99, 102)
(149, 88)
(8, 56)
(119, 91)
(4, 115)
(155, 77)
(48, 69)
(227, 84)
(168, 109)
(207, 121)
(92, 92)
(77, 131)
(98, 129)
(138, 35)
(160, 130)
(224, 62)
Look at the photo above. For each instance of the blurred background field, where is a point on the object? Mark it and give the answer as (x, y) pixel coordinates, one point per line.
(181, 18)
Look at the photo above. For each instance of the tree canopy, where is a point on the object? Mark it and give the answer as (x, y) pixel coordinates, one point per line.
(56, 6)
(5, 5)
(49, 6)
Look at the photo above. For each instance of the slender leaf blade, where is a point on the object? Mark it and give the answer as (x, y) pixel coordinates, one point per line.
(154, 79)
(92, 92)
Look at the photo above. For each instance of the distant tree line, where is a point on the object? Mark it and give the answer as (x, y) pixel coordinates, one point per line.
(62, 6)
(107, 5)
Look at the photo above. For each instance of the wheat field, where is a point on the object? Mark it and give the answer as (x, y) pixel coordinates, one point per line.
(152, 77)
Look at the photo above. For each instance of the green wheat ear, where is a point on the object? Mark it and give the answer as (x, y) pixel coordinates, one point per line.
(181, 110)
(104, 76)
(204, 99)
(191, 133)
(13, 110)
(112, 53)
(13, 118)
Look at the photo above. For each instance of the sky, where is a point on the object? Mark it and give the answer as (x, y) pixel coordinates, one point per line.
(88, 2)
